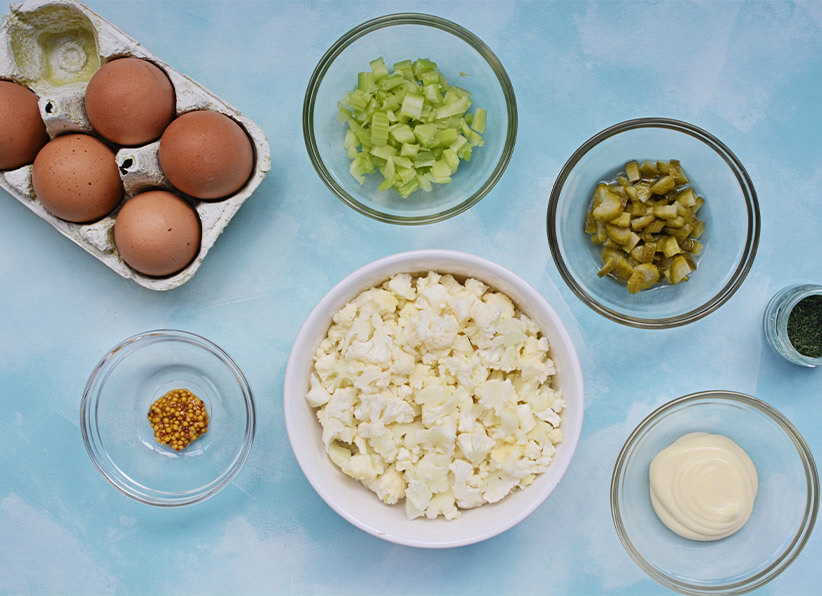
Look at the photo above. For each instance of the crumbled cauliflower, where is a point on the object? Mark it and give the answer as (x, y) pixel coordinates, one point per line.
(436, 392)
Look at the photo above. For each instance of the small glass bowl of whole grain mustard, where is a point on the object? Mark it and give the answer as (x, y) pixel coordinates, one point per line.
(168, 418)
(793, 324)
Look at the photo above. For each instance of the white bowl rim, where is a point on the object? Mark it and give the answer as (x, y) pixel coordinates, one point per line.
(443, 261)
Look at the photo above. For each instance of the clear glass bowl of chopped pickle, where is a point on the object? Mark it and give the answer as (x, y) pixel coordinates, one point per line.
(168, 418)
(401, 78)
(653, 223)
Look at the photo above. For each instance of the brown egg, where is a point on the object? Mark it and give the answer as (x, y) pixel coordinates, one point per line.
(130, 101)
(157, 233)
(22, 132)
(206, 154)
(75, 176)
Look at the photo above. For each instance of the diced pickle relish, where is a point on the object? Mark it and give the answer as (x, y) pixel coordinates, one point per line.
(646, 222)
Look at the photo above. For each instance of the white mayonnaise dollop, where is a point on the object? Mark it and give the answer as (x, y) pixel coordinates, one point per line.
(703, 486)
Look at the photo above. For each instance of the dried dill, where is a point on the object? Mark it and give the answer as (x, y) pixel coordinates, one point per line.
(805, 326)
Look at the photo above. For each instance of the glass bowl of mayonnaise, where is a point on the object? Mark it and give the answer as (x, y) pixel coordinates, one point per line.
(714, 493)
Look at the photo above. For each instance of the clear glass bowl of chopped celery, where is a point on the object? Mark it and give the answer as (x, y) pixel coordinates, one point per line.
(730, 214)
(784, 511)
(434, 119)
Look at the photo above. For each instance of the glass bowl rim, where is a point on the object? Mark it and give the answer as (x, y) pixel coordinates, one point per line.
(96, 450)
(799, 540)
(408, 18)
(748, 193)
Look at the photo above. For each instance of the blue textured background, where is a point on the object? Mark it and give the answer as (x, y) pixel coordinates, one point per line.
(748, 72)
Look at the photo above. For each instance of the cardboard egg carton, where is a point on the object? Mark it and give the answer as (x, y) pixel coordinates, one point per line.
(54, 48)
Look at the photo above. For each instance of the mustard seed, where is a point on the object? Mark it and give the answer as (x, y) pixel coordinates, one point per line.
(172, 418)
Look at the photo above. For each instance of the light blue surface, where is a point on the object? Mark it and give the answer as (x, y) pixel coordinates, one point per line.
(750, 73)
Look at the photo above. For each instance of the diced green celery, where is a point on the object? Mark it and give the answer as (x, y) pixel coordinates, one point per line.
(391, 81)
(402, 133)
(412, 106)
(474, 138)
(448, 136)
(379, 128)
(424, 159)
(478, 121)
(406, 174)
(409, 124)
(402, 162)
(451, 158)
(406, 68)
(386, 184)
(425, 181)
(441, 172)
(350, 144)
(363, 135)
(360, 166)
(410, 149)
(423, 65)
(426, 134)
(389, 170)
(379, 68)
(343, 113)
(430, 77)
(452, 108)
(406, 189)
(366, 82)
(432, 94)
(458, 144)
(383, 151)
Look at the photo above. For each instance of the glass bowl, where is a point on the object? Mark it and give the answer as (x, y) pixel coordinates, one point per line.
(775, 322)
(730, 212)
(119, 438)
(784, 511)
(464, 60)
(357, 504)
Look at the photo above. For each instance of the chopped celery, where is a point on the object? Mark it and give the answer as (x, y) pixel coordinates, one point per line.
(408, 124)
(478, 121)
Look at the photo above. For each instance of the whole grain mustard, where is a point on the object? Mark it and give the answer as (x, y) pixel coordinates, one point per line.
(178, 418)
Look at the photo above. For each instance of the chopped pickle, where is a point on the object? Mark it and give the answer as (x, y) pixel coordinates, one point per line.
(643, 277)
(646, 221)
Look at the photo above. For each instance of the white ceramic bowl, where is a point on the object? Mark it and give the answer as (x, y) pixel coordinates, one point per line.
(359, 505)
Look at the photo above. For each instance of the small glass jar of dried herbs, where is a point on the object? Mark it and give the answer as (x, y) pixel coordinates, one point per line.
(793, 324)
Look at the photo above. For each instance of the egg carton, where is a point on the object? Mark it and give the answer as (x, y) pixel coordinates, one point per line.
(54, 48)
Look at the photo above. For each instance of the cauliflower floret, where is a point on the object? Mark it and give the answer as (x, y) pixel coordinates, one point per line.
(444, 504)
(390, 486)
(400, 285)
(376, 350)
(380, 439)
(317, 395)
(436, 392)
(467, 485)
